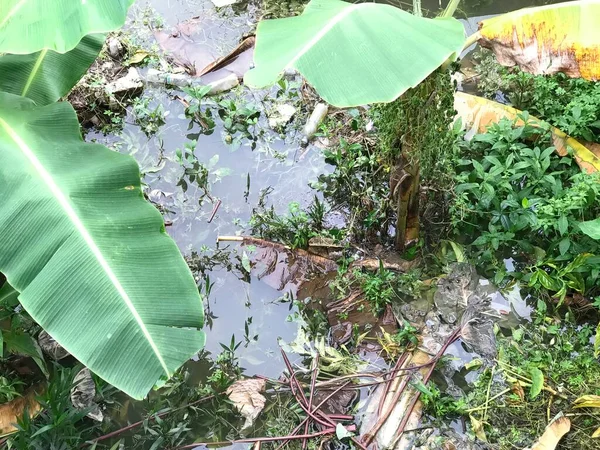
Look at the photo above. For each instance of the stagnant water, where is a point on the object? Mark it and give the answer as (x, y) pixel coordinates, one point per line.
(237, 307)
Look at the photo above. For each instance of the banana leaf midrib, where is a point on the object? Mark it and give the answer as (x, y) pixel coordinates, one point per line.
(78, 224)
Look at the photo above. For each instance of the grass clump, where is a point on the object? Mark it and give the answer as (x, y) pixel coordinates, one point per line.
(561, 352)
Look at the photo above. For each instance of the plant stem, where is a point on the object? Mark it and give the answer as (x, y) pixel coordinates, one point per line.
(264, 439)
(450, 9)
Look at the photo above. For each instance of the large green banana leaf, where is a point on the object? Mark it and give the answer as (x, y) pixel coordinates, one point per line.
(28, 26)
(89, 256)
(354, 54)
(555, 38)
(46, 76)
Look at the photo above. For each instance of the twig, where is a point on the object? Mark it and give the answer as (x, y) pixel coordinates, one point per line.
(264, 439)
(453, 337)
(487, 395)
(312, 393)
(214, 211)
(398, 364)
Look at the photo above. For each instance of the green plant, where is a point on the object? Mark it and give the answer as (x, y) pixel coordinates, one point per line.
(295, 229)
(59, 425)
(79, 241)
(387, 51)
(570, 104)
(523, 199)
(561, 355)
(359, 187)
(149, 119)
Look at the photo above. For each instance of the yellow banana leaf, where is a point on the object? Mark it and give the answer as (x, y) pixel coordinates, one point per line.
(478, 113)
(556, 38)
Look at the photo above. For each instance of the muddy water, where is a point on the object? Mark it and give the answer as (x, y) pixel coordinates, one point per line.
(278, 162)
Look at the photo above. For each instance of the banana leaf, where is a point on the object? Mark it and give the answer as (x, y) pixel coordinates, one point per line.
(477, 113)
(46, 76)
(89, 256)
(28, 26)
(555, 38)
(354, 53)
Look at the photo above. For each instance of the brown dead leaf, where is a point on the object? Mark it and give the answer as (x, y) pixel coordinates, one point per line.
(548, 39)
(11, 411)
(247, 398)
(517, 389)
(587, 401)
(553, 433)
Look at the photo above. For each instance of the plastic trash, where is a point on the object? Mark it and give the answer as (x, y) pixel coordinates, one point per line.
(315, 119)
(154, 76)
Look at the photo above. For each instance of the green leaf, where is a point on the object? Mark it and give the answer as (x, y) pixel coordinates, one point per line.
(89, 256)
(537, 382)
(354, 53)
(47, 76)
(8, 295)
(591, 228)
(1, 344)
(29, 26)
(246, 262)
(563, 225)
(20, 343)
(564, 245)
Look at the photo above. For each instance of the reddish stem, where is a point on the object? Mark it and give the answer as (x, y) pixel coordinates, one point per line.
(264, 439)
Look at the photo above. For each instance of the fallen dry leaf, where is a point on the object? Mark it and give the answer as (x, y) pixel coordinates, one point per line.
(10, 412)
(553, 433)
(596, 434)
(247, 398)
(587, 401)
(477, 426)
(138, 57)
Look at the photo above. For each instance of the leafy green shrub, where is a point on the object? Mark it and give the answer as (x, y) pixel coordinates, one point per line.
(570, 104)
(523, 201)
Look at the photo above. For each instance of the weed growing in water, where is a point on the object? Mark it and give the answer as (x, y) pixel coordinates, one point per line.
(149, 119)
(295, 229)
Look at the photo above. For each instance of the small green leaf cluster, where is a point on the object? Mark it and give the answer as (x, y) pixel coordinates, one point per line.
(523, 201)
(295, 229)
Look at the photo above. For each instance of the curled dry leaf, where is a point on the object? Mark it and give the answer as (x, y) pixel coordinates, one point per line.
(477, 426)
(247, 398)
(51, 347)
(587, 401)
(553, 433)
(83, 393)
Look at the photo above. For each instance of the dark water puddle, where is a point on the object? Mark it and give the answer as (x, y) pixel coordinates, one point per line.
(240, 306)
